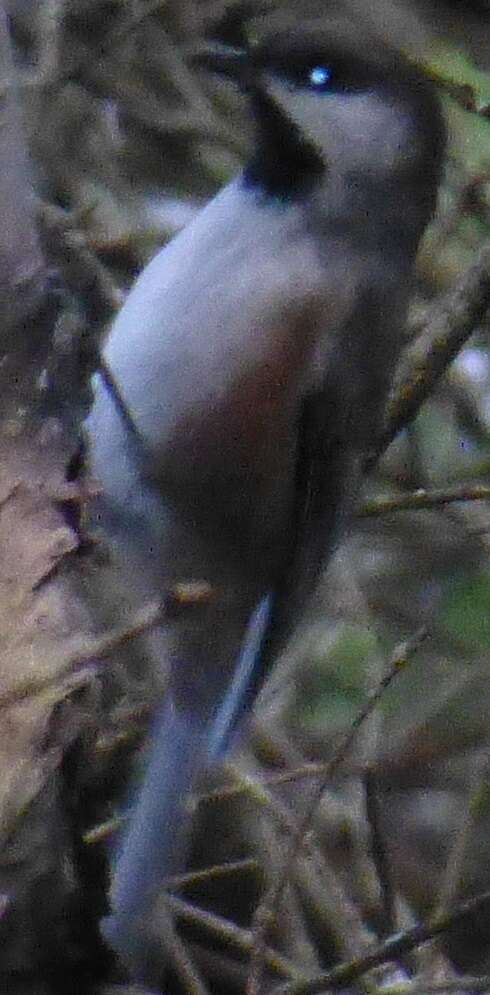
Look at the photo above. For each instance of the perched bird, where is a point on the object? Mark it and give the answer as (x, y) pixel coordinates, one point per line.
(248, 371)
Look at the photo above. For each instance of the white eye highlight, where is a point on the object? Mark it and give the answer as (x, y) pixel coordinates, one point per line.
(320, 76)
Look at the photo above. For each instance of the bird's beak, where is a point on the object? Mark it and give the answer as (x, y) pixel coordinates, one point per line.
(225, 59)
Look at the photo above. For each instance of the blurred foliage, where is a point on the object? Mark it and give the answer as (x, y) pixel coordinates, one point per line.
(465, 610)
(466, 194)
(128, 140)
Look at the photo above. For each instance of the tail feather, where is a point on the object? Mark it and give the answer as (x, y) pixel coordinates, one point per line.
(244, 684)
(154, 845)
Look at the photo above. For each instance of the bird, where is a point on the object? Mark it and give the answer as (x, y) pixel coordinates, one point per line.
(241, 386)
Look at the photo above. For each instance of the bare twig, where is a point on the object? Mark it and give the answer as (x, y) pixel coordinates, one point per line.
(85, 276)
(180, 957)
(478, 984)
(449, 324)
(337, 917)
(454, 865)
(422, 498)
(379, 854)
(217, 871)
(392, 949)
(227, 932)
(463, 94)
(265, 913)
(181, 598)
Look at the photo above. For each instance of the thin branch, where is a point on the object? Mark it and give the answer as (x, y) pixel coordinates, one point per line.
(218, 871)
(181, 598)
(424, 499)
(68, 247)
(379, 854)
(450, 322)
(179, 957)
(454, 864)
(392, 949)
(463, 94)
(264, 915)
(476, 985)
(231, 935)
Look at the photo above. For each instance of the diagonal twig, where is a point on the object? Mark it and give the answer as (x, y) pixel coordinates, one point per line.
(265, 913)
(449, 323)
(392, 949)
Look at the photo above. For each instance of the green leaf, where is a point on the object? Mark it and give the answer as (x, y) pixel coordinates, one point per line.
(466, 611)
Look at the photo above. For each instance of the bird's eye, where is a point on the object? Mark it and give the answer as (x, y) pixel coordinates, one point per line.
(320, 77)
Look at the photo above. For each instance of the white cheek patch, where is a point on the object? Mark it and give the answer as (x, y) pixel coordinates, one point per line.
(371, 131)
(351, 130)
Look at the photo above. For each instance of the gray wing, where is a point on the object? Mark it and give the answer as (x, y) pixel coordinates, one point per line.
(338, 422)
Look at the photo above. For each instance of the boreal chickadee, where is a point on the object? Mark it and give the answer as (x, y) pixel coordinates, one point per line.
(248, 370)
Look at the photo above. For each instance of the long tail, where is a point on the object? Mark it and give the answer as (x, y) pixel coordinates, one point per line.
(154, 846)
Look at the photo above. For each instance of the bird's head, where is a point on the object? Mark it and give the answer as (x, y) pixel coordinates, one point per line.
(340, 112)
